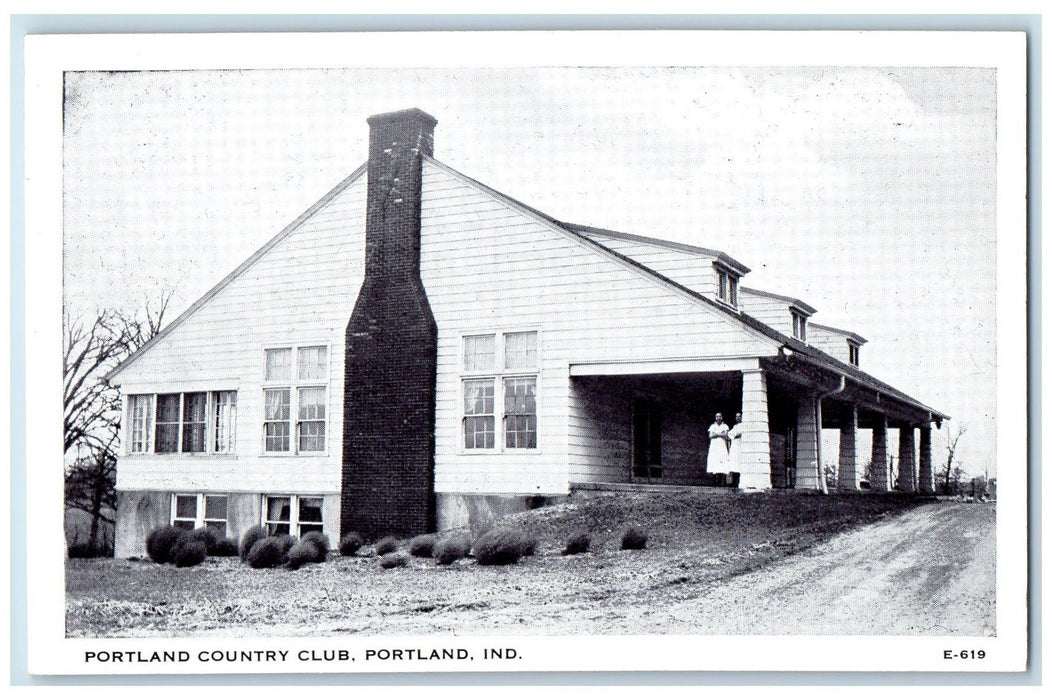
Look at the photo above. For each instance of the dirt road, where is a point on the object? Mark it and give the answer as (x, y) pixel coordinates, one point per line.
(930, 571)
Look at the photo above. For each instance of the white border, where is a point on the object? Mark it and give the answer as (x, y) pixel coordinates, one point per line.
(48, 56)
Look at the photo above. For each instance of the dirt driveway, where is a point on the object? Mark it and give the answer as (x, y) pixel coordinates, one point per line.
(930, 571)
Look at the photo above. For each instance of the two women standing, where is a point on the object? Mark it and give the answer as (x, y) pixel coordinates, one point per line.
(724, 446)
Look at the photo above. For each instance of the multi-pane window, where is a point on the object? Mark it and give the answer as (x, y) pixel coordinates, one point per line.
(140, 413)
(191, 511)
(799, 325)
(500, 374)
(296, 515)
(195, 421)
(479, 421)
(190, 422)
(852, 353)
(167, 438)
(726, 286)
(225, 421)
(295, 414)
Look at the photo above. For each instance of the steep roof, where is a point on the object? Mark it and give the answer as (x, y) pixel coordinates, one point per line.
(849, 334)
(576, 232)
(803, 306)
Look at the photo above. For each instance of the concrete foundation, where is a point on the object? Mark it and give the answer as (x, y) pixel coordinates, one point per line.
(139, 512)
(477, 511)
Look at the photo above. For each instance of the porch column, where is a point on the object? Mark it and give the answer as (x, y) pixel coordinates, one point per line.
(807, 446)
(847, 473)
(907, 466)
(879, 474)
(926, 476)
(756, 437)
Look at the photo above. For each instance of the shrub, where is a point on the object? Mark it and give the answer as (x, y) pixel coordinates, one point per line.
(386, 546)
(286, 542)
(350, 544)
(499, 546)
(253, 535)
(527, 544)
(392, 560)
(206, 536)
(303, 552)
(633, 539)
(226, 548)
(450, 548)
(161, 542)
(422, 545)
(321, 544)
(266, 553)
(578, 544)
(189, 551)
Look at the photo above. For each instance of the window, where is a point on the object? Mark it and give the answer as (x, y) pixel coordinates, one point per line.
(191, 511)
(511, 385)
(295, 414)
(726, 286)
(225, 422)
(852, 353)
(296, 515)
(799, 325)
(140, 411)
(191, 422)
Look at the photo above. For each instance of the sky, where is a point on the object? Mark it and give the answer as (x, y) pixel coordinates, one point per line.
(868, 193)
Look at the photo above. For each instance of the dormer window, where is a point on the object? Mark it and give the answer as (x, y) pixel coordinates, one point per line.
(852, 353)
(799, 325)
(726, 286)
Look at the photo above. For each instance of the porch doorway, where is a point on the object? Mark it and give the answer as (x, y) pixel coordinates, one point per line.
(782, 416)
(646, 440)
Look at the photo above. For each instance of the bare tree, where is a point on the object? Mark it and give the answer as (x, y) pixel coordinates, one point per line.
(93, 407)
(951, 473)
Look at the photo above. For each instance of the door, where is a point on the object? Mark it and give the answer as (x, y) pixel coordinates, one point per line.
(646, 440)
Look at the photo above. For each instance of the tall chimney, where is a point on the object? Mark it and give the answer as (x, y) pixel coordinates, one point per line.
(391, 346)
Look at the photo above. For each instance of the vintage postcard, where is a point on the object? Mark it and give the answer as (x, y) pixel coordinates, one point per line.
(504, 351)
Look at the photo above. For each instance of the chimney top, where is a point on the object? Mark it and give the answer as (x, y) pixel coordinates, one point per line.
(408, 128)
(403, 115)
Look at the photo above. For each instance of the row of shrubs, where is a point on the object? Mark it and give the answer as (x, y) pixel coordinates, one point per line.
(498, 546)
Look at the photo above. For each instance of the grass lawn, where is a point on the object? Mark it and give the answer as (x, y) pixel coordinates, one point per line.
(694, 539)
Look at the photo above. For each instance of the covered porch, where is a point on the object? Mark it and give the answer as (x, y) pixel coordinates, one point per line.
(646, 424)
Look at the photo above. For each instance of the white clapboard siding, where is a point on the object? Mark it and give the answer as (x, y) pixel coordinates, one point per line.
(829, 341)
(692, 270)
(773, 312)
(301, 291)
(489, 266)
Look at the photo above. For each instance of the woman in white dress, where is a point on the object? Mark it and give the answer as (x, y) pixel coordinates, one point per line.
(734, 437)
(718, 455)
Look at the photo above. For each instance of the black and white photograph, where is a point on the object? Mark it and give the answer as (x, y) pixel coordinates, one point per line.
(390, 357)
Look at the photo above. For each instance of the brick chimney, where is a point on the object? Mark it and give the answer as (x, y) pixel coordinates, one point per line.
(391, 355)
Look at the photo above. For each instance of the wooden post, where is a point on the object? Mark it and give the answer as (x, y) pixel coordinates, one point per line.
(880, 474)
(756, 437)
(807, 436)
(847, 471)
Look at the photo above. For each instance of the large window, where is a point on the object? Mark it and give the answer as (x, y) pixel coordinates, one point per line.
(295, 399)
(296, 515)
(500, 373)
(726, 286)
(190, 422)
(194, 510)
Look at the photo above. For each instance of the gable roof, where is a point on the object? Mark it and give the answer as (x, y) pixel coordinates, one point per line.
(249, 262)
(670, 245)
(849, 334)
(577, 233)
(803, 306)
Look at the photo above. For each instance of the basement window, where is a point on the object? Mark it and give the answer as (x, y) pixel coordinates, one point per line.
(500, 370)
(196, 510)
(295, 515)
